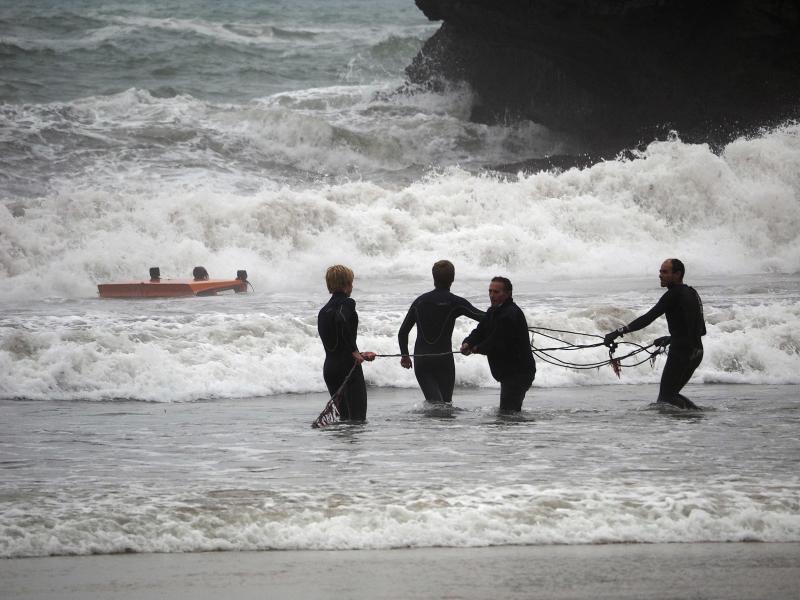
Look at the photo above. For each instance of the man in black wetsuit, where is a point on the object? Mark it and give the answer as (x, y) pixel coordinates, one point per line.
(684, 310)
(337, 324)
(502, 335)
(435, 314)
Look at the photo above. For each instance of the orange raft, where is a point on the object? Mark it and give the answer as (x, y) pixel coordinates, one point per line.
(156, 287)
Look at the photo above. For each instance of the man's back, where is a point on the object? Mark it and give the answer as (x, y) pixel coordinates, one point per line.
(435, 313)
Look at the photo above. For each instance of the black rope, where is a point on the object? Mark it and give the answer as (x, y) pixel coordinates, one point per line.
(544, 355)
(330, 414)
(418, 355)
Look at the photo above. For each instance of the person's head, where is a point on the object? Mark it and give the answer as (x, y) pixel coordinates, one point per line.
(199, 273)
(339, 279)
(500, 289)
(443, 274)
(671, 272)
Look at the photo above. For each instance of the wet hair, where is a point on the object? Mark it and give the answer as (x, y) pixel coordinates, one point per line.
(677, 267)
(338, 277)
(443, 273)
(506, 284)
(199, 273)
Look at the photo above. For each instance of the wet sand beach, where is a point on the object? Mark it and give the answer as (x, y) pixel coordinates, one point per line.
(745, 571)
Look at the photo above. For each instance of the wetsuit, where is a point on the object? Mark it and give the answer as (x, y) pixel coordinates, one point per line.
(684, 311)
(502, 335)
(337, 324)
(435, 314)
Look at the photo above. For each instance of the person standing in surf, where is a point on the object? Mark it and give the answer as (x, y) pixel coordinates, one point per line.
(684, 311)
(435, 313)
(502, 335)
(337, 324)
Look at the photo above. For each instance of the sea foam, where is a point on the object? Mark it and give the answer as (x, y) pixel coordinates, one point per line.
(502, 515)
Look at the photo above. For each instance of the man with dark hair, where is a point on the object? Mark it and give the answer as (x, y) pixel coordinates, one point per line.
(435, 313)
(502, 335)
(684, 311)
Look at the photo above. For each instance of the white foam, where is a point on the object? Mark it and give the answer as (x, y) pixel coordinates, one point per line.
(231, 348)
(120, 214)
(501, 515)
(232, 33)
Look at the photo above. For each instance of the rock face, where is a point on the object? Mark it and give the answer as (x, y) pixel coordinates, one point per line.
(620, 70)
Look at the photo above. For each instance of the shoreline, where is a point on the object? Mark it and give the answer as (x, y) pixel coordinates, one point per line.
(703, 570)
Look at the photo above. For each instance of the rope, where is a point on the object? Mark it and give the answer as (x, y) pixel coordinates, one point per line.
(616, 362)
(418, 355)
(330, 414)
(544, 355)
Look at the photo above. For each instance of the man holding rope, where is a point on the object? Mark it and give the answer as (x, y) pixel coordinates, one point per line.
(435, 313)
(684, 311)
(502, 335)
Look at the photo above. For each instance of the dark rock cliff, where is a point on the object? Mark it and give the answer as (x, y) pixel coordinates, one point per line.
(619, 71)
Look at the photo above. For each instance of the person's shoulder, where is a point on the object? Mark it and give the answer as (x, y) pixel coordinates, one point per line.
(428, 295)
(690, 293)
(421, 299)
(437, 296)
(507, 310)
(511, 311)
(340, 301)
(673, 291)
(675, 294)
(458, 299)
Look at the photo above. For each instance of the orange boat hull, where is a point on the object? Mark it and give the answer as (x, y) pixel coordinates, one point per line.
(169, 288)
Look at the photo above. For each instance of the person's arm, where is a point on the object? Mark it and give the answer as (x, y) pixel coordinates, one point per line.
(349, 325)
(476, 337)
(498, 336)
(651, 315)
(344, 316)
(466, 309)
(643, 321)
(402, 336)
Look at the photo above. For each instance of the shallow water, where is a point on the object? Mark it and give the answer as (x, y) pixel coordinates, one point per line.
(579, 465)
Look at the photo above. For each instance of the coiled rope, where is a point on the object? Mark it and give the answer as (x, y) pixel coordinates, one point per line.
(544, 354)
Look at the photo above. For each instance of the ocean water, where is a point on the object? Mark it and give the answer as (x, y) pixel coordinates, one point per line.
(278, 137)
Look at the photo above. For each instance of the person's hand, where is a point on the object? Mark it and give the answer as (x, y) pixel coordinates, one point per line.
(662, 341)
(466, 349)
(358, 358)
(405, 362)
(610, 337)
(368, 356)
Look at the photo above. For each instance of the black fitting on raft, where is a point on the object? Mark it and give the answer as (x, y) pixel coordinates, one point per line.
(155, 274)
(241, 275)
(199, 273)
